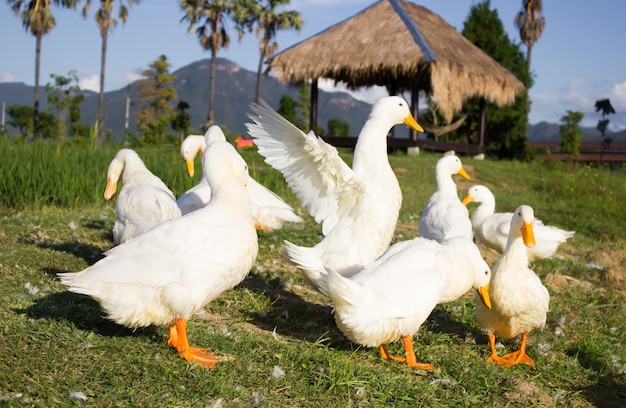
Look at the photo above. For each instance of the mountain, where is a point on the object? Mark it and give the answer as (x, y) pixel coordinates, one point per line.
(234, 92)
(551, 132)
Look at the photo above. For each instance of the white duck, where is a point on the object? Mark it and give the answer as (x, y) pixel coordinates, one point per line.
(144, 200)
(445, 215)
(392, 297)
(165, 275)
(519, 301)
(492, 229)
(358, 206)
(269, 211)
(199, 195)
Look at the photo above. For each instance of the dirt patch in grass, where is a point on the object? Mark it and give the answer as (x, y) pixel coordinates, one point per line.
(614, 263)
(528, 394)
(559, 282)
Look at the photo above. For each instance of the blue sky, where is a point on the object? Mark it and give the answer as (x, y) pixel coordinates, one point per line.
(580, 58)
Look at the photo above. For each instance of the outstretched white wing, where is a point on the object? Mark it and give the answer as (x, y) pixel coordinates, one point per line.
(325, 185)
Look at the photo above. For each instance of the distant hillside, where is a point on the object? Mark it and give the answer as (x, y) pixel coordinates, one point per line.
(544, 131)
(234, 93)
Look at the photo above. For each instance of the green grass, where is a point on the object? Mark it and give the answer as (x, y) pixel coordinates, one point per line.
(57, 349)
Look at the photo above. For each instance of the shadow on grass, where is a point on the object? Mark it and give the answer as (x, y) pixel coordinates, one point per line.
(87, 252)
(82, 312)
(608, 391)
(103, 227)
(441, 321)
(293, 316)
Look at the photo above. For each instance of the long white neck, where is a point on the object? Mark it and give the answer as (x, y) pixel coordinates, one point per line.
(370, 152)
(515, 248)
(483, 211)
(445, 183)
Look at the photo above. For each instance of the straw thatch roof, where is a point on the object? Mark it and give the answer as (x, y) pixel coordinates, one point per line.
(402, 46)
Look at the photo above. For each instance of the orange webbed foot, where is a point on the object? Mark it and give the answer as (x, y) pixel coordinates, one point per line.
(497, 359)
(178, 339)
(517, 357)
(410, 358)
(511, 359)
(201, 356)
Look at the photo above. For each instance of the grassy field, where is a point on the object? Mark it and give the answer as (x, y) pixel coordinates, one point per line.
(277, 337)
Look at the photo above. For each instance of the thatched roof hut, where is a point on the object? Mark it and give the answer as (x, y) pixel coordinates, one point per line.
(404, 47)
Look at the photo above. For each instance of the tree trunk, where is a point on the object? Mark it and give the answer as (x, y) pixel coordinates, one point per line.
(100, 119)
(313, 107)
(36, 102)
(259, 75)
(527, 108)
(209, 118)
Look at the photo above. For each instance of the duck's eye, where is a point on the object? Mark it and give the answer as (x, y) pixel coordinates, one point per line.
(486, 273)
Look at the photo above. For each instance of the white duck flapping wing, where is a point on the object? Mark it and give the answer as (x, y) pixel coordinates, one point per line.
(325, 185)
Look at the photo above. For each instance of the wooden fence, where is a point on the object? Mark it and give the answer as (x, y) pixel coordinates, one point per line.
(589, 152)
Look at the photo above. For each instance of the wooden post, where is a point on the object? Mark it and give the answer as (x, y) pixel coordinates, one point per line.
(313, 113)
(392, 89)
(481, 126)
(414, 107)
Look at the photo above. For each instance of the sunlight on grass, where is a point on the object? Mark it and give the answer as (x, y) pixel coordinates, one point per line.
(277, 337)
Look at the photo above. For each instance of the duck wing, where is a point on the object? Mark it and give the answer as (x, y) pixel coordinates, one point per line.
(325, 185)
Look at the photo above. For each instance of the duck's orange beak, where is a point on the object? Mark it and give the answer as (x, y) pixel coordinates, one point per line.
(468, 199)
(190, 167)
(483, 293)
(527, 234)
(110, 190)
(463, 174)
(412, 123)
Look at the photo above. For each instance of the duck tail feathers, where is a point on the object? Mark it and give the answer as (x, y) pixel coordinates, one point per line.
(343, 291)
(309, 263)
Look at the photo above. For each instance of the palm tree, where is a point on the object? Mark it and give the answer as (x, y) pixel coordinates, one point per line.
(268, 22)
(531, 24)
(210, 16)
(106, 22)
(38, 19)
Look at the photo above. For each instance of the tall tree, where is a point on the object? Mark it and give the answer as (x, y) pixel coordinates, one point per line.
(37, 18)
(570, 133)
(530, 23)
(210, 17)
(604, 106)
(66, 98)
(21, 118)
(155, 94)
(505, 127)
(181, 120)
(106, 22)
(268, 22)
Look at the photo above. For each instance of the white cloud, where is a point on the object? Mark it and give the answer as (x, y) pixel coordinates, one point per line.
(580, 95)
(91, 83)
(369, 95)
(127, 77)
(6, 77)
